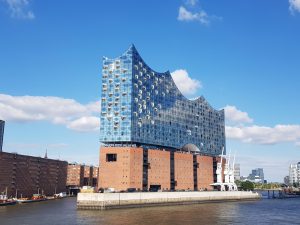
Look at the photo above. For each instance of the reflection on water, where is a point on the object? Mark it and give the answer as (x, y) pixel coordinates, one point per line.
(64, 211)
(189, 214)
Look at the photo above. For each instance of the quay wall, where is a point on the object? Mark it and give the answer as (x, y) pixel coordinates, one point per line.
(101, 201)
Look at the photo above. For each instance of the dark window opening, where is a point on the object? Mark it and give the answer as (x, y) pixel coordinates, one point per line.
(111, 157)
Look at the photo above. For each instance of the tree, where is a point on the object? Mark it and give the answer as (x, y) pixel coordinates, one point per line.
(238, 183)
(247, 185)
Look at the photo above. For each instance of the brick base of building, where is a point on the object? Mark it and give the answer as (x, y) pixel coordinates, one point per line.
(122, 168)
(22, 175)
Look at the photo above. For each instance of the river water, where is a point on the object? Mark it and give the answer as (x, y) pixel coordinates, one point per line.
(64, 212)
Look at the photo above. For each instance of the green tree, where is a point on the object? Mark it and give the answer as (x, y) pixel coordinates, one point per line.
(247, 185)
(238, 183)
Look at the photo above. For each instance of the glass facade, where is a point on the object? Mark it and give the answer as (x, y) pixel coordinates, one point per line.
(144, 107)
(116, 99)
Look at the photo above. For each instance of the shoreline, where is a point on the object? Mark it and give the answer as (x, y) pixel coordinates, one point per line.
(103, 201)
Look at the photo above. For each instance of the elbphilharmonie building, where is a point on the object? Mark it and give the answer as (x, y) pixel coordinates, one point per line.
(143, 109)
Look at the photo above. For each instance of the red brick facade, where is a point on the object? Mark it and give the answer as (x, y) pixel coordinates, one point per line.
(159, 169)
(205, 172)
(82, 175)
(131, 167)
(75, 175)
(125, 172)
(95, 176)
(26, 175)
(184, 178)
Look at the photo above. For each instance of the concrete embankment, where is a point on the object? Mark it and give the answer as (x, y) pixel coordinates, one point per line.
(102, 201)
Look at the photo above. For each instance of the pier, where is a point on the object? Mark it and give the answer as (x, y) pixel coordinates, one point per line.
(102, 201)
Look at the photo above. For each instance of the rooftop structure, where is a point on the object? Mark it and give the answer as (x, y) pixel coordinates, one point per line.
(142, 107)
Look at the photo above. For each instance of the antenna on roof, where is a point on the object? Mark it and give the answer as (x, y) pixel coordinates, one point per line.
(46, 155)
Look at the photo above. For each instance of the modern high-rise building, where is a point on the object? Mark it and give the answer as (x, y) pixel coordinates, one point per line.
(257, 175)
(146, 124)
(294, 174)
(2, 124)
(143, 107)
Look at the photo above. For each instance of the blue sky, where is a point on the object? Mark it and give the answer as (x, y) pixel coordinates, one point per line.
(241, 55)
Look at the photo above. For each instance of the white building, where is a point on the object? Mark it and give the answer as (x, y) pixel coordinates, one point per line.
(294, 173)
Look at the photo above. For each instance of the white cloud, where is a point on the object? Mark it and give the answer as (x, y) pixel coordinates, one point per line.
(185, 84)
(57, 110)
(84, 117)
(85, 124)
(191, 2)
(191, 11)
(264, 135)
(294, 5)
(255, 134)
(185, 15)
(20, 9)
(232, 114)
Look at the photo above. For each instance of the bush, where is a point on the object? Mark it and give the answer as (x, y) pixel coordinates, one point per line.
(247, 185)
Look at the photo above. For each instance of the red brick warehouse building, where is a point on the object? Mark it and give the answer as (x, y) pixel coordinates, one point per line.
(153, 137)
(81, 175)
(23, 175)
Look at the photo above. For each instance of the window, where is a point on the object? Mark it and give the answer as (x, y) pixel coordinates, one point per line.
(111, 157)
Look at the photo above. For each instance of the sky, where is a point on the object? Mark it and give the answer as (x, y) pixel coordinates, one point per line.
(242, 56)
